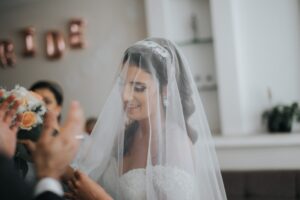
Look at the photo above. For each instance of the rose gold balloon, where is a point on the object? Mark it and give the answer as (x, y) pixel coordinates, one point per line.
(55, 44)
(7, 53)
(10, 53)
(29, 34)
(3, 61)
(76, 34)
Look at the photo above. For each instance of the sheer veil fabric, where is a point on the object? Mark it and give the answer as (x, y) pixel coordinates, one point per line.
(152, 139)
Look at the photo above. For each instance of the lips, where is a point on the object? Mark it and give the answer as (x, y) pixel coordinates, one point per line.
(131, 107)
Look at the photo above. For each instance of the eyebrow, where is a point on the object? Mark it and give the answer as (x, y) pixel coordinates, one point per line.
(47, 99)
(137, 83)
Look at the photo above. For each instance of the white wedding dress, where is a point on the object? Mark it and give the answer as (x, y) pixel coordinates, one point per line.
(172, 182)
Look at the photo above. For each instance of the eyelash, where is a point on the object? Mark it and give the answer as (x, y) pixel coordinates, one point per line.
(136, 88)
(139, 88)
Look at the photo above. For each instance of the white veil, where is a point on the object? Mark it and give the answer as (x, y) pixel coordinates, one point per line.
(152, 139)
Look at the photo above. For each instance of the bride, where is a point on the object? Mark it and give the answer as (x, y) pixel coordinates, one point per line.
(152, 140)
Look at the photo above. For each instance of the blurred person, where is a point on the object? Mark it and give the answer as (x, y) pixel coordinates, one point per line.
(52, 154)
(89, 124)
(52, 95)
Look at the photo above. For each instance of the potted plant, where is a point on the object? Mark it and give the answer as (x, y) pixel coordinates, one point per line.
(280, 118)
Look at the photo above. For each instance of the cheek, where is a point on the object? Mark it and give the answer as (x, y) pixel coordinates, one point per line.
(142, 111)
(53, 107)
(145, 106)
(50, 106)
(149, 104)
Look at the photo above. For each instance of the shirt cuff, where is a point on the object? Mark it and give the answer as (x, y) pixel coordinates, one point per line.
(48, 185)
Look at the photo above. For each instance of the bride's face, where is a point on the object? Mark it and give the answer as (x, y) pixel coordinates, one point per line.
(139, 94)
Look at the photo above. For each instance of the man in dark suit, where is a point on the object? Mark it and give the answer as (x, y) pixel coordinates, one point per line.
(51, 154)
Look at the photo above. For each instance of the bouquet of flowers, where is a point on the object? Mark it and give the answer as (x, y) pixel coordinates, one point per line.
(32, 111)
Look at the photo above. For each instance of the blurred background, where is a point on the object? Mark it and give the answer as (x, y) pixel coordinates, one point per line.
(244, 55)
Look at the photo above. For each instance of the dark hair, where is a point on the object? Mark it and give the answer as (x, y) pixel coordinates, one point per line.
(90, 123)
(137, 57)
(54, 87)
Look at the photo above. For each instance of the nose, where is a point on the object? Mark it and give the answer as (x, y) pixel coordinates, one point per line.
(127, 94)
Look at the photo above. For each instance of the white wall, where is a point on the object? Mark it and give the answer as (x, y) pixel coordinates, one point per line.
(257, 46)
(228, 72)
(85, 74)
(268, 42)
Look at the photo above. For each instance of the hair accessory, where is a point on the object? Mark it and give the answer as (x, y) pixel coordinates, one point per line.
(155, 47)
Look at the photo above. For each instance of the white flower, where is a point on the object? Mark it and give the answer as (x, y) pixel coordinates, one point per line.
(18, 92)
(21, 109)
(4, 93)
(42, 110)
(30, 102)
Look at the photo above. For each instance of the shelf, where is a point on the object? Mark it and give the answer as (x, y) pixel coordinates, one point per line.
(207, 88)
(258, 140)
(259, 151)
(195, 41)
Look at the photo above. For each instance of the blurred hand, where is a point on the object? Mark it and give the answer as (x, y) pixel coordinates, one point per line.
(52, 154)
(83, 187)
(8, 131)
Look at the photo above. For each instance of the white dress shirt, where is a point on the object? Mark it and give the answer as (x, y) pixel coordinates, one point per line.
(48, 185)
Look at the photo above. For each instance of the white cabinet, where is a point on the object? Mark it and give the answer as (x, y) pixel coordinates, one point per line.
(245, 48)
(188, 23)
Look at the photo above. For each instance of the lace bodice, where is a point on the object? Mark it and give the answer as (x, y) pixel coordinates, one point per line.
(170, 182)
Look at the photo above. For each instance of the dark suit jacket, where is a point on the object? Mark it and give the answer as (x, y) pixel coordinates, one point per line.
(48, 196)
(13, 187)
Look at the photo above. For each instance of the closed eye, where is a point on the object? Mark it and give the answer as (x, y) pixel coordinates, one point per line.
(138, 87)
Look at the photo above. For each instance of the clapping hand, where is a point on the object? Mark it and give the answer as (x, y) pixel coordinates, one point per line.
(8, 126)
(52, 154)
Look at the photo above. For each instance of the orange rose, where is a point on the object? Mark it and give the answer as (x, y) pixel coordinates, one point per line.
(28, 120)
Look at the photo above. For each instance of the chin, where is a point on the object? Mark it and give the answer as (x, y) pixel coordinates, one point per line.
(135, 116)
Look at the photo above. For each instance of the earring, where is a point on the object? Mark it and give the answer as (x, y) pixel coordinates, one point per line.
(165, 101)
